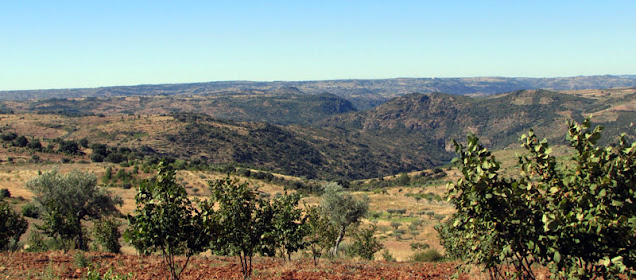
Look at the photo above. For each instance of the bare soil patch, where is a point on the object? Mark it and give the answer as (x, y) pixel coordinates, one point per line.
(60, 265)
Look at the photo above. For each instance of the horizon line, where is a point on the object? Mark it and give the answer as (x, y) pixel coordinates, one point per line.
(309, 80)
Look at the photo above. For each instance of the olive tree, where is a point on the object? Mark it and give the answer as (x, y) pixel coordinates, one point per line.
(67, 200)
(342, 210)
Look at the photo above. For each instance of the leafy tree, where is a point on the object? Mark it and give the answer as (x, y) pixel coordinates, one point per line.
(403, 179)
(342, 210)
(289, 227)
(365, 244)
(67, 200)
(31, 210)
(577, 218)
(69, 147)
(321, 232)
(4, 193)
(166, 221)
(242, 219)
(588, 209)
(20, 141)
(12, 225)
(83, 142)
(106, 233)
(35, 144)
(9, 136)
(395, 224)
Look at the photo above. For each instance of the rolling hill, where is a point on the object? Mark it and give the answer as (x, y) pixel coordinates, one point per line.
(498, 119)
(364, 94)
(315, 136)
(282, 106)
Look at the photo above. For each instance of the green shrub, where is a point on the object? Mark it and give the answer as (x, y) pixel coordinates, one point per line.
(387, 256)
(80, 259)
(106, 234)
(35, 242)
(574, 217)
(12, 226)
(429, 255)
(419, 246)
(31, 210)
(4, 193)
(365, 244)
(109, 275)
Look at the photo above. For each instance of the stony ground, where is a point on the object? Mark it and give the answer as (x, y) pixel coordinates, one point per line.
(60, 265)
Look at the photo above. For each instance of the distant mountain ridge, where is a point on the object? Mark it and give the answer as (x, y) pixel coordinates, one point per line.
(283, 106)
(364, 94)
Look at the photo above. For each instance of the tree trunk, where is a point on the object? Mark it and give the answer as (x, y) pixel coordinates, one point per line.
(341, 235)
(80, 233)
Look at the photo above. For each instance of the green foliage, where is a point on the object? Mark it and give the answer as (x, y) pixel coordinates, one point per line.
(20, 141)
(69, 147)
(419, 246)
(578, 219)
(365, 244)
(289, 227)
(4, 193)
(12, 226)
(387, 256)
(165, 221)
(403, 179)
(35, 242)
(109, 275)
(31, 210)
(80, 259)
(342, 210)
(106, 233)
(35, 145)
(67, 199)
(322, 232)
(428, 255)
(8, 137)
(242, 221)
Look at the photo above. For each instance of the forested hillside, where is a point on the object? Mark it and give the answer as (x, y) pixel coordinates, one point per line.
(316, 136)
(498, 119)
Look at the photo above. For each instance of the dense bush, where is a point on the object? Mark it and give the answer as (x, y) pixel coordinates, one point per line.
(365, 244)
(577, 218)
(106, 234)
(4, 193)
(12, 226)
(31, 210)
(67, 200)
(166, 221)
(428, 255)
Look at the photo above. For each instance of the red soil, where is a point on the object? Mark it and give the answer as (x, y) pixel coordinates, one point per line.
(60, 265)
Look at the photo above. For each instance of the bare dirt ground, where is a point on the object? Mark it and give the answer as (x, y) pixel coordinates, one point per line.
(60, 265)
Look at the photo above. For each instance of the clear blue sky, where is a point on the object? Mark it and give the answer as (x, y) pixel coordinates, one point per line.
(62, 44)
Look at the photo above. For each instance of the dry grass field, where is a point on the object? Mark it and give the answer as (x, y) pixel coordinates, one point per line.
(15, 177)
